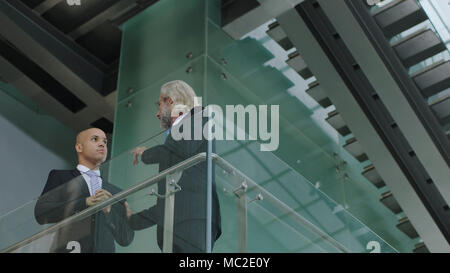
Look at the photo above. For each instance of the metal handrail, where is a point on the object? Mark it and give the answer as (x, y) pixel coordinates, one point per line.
(183, 165)
(279, 204)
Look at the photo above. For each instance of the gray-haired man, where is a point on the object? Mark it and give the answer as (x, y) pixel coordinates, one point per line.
(189, 230)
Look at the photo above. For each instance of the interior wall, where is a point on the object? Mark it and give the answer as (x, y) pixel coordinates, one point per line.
(31, 144)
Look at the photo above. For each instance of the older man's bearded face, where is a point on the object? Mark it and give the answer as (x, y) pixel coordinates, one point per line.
(166, 119)
(164, 112)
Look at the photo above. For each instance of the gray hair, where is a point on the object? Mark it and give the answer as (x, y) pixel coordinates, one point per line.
(180, 92)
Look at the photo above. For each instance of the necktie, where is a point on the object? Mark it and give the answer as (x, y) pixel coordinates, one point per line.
(95, 181)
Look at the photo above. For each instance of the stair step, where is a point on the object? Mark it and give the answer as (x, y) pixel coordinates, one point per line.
(433, 78)
(421, 248)
(389, 201)
(241, 17)
(336, 121)
(355, 149)
(372, 175)
(277, 33)
(418, 47)
(399, 16)
(441, 108)
(297, 63)
(405, 225)
(316, 92)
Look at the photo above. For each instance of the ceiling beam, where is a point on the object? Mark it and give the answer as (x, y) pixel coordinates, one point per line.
(67, 62)
(99, 19)
(46, 6)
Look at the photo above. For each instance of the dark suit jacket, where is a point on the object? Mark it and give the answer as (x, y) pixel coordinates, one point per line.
(64, 195)
(190, 202)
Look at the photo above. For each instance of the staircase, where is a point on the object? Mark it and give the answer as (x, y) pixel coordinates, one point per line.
(406, 26)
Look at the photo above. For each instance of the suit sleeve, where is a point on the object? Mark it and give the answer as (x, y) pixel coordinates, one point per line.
(117, 220)
(119, 224)
(144, 219)
(175, 152)
(155, 155)
(57, 202)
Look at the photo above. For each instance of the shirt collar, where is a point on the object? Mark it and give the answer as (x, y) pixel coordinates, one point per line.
(84, 169)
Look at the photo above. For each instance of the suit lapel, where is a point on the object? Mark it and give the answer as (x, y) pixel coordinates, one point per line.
(83, 186)
(106, 186)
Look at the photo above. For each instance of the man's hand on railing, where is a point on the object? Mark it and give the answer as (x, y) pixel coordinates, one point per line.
(136, 153)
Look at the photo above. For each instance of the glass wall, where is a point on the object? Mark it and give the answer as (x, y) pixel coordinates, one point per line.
(178, 40)
(284, 213)
(287, 186)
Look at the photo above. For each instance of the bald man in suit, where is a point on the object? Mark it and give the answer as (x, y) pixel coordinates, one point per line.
(68, 192)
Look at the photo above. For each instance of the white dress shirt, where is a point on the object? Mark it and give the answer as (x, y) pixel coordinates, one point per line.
(83, 169)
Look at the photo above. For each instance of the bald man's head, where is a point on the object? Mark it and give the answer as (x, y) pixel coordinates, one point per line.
(91, 146)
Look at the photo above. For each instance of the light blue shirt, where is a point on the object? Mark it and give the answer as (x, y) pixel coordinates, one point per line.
(166, 134)
(83, 169)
